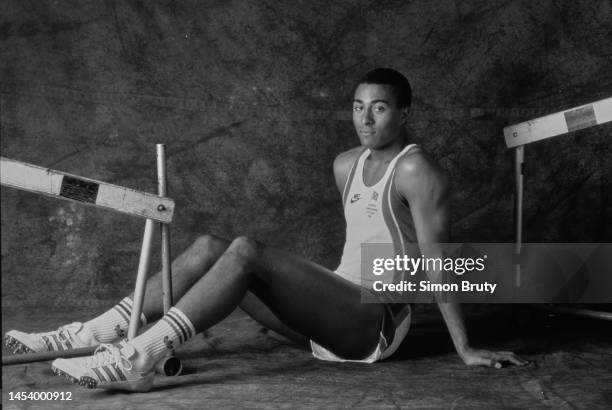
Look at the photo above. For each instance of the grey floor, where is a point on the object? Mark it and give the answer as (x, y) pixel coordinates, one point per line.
(237, 364)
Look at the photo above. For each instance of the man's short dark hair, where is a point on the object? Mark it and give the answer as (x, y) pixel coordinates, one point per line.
(396, 80)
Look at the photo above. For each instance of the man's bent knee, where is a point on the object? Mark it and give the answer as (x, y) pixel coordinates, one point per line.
(208, 243)
(244, 247)
(203, 249)
(203, 242)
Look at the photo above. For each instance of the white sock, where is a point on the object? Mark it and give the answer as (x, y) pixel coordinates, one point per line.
(171, 331)
(113, 324)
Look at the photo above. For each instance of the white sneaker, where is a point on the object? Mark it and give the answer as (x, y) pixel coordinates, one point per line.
(111, 367)
(67, 337)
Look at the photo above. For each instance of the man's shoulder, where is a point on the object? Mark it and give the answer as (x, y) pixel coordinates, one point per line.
(342, 165)
(417, 161)
(418, 166)
(351, 154)
(347, 158)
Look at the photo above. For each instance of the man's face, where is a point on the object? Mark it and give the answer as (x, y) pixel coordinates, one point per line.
(377, 119)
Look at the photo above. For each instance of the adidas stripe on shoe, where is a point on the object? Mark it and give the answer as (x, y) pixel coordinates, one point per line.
(111, 367)
(67, 337)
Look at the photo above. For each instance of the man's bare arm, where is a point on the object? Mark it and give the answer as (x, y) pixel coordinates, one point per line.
(425, 186)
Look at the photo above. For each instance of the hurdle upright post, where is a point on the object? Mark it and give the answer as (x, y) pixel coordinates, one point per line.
(548, 126)
(518, 207)
(165, 231)
(537, 129)
(170, 365)
(141, 278)
(75, 188)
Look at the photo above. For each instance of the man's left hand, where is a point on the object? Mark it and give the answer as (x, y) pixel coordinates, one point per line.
(481, 357)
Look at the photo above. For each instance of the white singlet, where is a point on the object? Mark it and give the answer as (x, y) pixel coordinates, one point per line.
(374, 214)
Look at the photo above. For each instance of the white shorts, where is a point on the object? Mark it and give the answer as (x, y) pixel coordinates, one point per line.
(401, 325)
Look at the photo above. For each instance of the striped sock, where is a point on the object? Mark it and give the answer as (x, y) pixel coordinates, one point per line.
(171, 331)
(113, 324)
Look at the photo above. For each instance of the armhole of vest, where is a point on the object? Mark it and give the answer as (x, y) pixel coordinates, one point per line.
(350, 177)
(393, 184)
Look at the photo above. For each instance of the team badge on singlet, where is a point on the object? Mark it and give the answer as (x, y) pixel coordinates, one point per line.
(372, 207)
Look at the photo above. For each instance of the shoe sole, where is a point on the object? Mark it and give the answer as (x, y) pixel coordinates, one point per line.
(16, 346)
(65, 375)
(143, 384)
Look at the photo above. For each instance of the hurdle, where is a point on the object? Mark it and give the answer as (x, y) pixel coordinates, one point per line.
(153, 208)
(549, 126)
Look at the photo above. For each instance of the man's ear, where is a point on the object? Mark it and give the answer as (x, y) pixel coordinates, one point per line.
(404, 117)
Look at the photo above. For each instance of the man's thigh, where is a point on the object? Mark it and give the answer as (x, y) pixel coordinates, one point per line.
(317, 303)
(258, 310)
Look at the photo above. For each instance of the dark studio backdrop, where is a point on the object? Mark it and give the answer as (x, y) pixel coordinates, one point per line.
(253, 101)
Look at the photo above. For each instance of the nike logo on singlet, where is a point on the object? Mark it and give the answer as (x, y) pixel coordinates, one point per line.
(355, 198)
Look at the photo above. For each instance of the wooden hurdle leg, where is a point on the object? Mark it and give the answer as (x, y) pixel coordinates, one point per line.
(141, 278)
(552, 125)
(170, 365)
(143, 265)
(165, 231)
(518, 209)
(61, 185)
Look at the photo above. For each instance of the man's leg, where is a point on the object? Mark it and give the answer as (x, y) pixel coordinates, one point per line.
(189, 267)
(258, 310)
(112, 325)
(306, 297)
(302, 299)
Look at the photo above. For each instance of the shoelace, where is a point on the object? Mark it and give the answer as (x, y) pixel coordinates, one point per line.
(108, 354)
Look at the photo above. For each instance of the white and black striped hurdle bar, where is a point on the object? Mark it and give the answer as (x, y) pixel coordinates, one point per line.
(552, 125)
(61, 185)
(154, 208)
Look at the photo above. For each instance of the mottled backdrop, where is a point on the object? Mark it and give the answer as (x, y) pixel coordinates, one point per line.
(252, 99)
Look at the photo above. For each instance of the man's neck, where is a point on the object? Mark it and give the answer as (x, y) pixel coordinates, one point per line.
(389, 152)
